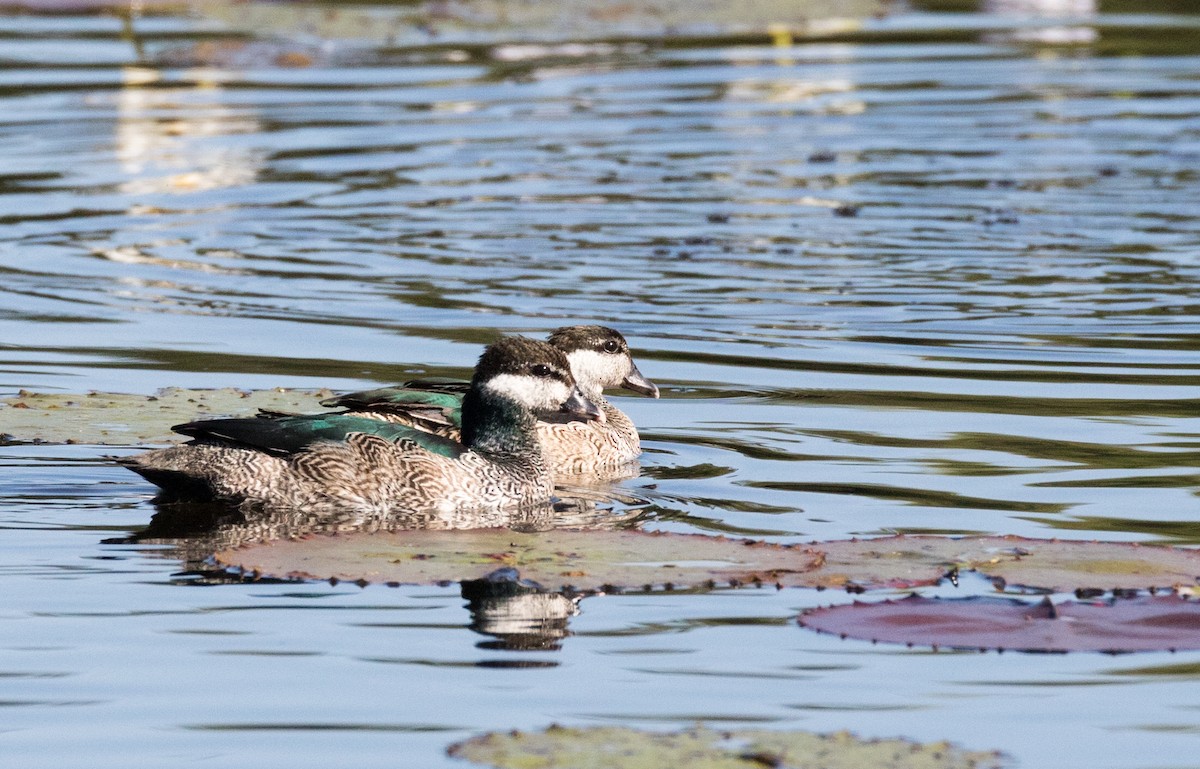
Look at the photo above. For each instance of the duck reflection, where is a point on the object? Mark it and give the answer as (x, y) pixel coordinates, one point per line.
(519, 614)
(516, 614)
(205, 527)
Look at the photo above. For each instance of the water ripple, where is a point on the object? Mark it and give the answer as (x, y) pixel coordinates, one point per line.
(935, 274)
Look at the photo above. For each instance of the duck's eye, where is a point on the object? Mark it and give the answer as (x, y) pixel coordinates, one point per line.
(541, 370)
(610, 346)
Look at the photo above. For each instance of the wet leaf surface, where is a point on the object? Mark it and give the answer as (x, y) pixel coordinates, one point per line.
(616, 560)
(701, 748)
(1044, 564)
(1064, 565)
(1152, 623)
(125, 419)
(489, 21)
(581, 560)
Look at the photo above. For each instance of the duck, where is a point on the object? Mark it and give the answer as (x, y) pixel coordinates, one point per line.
(599, 358)
(344, 463)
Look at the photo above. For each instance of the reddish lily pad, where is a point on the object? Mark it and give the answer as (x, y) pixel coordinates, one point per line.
(616, 747)
(1154, 623)
(614, 560)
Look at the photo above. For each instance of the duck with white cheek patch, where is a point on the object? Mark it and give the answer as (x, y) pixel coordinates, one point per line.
(599, 358)
(343, 463)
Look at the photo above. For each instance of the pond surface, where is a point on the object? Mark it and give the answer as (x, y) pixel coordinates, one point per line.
(937, 274)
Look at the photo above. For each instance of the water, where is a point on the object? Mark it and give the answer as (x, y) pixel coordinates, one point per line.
(935, 275)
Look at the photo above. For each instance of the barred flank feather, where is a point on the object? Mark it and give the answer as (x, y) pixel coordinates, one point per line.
(341, 463)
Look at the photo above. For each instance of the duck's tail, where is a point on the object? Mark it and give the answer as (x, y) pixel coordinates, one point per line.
(205, 471)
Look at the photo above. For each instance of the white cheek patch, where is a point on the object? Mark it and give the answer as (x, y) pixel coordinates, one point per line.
(596, 370)
(536, 393)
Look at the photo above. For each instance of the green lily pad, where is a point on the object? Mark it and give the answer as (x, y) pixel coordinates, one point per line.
(1043, 564)
(585, 561)
(701, 748)
(613, 560)
(1064, 565)
(127, 420)
(493, 21)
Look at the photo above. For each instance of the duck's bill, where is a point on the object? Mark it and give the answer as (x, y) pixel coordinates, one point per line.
(579, 406)
(640, 384)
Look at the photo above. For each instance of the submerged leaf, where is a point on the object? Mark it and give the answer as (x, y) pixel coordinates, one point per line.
(1161, 623)
(700, 748)
(608, 560)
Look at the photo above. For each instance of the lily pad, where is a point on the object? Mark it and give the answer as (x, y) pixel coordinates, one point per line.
(1154, 623)
(124, 419)
(1046, 564)
(417, 22)
(1062, 565)
(701, 748)
(579, 560)
(622, 559)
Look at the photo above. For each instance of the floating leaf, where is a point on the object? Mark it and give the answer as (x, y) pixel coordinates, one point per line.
(417, 22)
(123, 419)
(608, 560)
(1047, 564)
(1155, 623)
(610, 747)
(581, 560)
(1060, 565)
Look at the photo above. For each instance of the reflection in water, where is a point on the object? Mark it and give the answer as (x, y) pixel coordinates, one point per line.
(198, 529)
(1003, 340)
(1075, 16)
(520, 615)
(161, 133)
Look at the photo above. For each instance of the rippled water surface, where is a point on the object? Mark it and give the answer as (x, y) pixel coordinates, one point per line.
(938, 274)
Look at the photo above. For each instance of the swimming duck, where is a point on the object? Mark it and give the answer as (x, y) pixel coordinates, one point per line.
(599, 358)
(341, 462)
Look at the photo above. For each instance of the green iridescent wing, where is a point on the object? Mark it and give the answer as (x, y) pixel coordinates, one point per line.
(284, 435)
(420, 399)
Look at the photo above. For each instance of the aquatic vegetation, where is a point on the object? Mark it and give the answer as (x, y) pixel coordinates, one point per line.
(1002, 340)
(582, 561)
(703, 748)
(1119, 624)
(601, 561)
(614, 561)
(123, 419)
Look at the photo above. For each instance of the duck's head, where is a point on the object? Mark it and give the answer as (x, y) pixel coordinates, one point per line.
(534, 375)
(600, 358)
